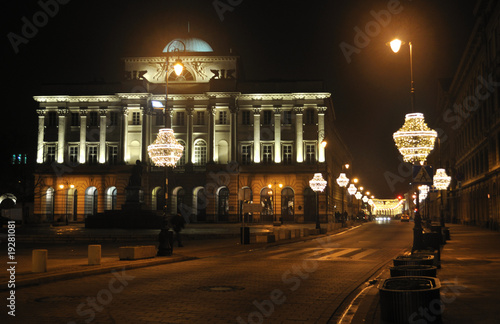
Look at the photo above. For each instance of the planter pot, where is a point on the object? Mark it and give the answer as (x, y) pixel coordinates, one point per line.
(410, 300)
(413, 270)
(414, 260)
(435, 253)
(432, 240)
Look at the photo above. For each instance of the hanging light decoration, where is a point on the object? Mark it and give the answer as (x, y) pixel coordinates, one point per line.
(358, 195)
(165, 150)
(342, 180)
(441, 179)
(415, 140)
(317, 183)
(352, 189)
(365, 199)
(424, 190)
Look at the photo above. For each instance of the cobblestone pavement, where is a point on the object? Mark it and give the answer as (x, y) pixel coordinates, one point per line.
(302, 282)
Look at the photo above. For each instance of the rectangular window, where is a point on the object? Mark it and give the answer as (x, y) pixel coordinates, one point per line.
(222, 117)
(287, 153)
(246, 154)
(267, 153)
(179, 118)
(310, 116)
(159, 118)
(310, 153)
(93, 119)
(73, 154)
(200, 118)
(50, 153)
(52, 119)
(136, 118)
(113, 118)
(200, 154)
(75, 119)
(245, 117)
(113, 154)
(268, 115)
(287, 117)
(92, 154)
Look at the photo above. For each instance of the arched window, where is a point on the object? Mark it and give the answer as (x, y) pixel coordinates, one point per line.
(200, 202)
(266, 201)
(222, 147)
(185, 76)
(287, 204)
(223, 204)
(157, 199)
(91, 201)
(200, 152)
(111, 198)
(177, 201)
(49, 204)
(72, 204)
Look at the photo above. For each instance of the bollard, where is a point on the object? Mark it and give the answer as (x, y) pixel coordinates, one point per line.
(39, 260)
(94, 253)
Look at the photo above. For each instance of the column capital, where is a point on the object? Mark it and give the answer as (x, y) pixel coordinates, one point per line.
(62, 112)
(41, 112)
(212, 110)
(83, 112)
(299, 110)
(102, 112)
(234, 108)
(256, 109)
(189, 110)
(125, 111)
(277, 109)
(321, 109)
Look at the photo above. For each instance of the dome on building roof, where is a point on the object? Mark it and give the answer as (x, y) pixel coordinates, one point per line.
(188, 45)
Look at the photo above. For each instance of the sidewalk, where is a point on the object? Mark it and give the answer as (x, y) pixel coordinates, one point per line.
(470, 281)
(68, 255)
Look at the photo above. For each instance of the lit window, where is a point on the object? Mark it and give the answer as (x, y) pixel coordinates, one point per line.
(310, 153)
(223, 117)
(50, 153)
(136, 118)
(287, 153)
(200, 153)
(92, 154)
(267, 153)
(246, 154)
(73, 154)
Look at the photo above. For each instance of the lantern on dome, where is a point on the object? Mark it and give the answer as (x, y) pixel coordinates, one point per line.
(415, 140)
(441, 179)
(165, 150)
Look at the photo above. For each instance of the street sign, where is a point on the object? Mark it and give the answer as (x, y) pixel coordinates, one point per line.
(422, 174)
(252, 208)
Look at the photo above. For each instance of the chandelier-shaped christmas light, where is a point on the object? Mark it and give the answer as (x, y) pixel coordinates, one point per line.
(358, 195)
(342, 180)
(365, 199)
(317, 183)
(415, 140)
(165, 150)
(424, 190)
(352, 189)
(441, 179)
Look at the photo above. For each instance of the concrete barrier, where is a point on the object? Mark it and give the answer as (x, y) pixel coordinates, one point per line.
(94, 254)
(265, 238)
(283, 234)
(137, 252)
(39, 260)
(295, 233)
(305, 232)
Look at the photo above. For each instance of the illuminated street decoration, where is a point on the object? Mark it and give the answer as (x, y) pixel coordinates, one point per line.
(358, 195)
(317, 183)
(424, 190)
(342, 180)
(352, 189)
(415, 140)
(165, 150)
(441, 179)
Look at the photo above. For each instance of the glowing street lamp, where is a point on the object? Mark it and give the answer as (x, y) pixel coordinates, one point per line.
(342, 181)
(317, 184)
(441, 182)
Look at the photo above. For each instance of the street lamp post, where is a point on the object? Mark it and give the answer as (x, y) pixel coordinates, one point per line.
(317, 184)
(276, 221)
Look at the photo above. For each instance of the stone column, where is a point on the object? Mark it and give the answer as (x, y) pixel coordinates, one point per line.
(211, 133)
(83, 135)
(102, 136)
(233, 137)
(256, 134)
(299, 113)
(61, 134)
(189, 138)
(41, 134)
(321, 133)
(126, 156)
(277, 134)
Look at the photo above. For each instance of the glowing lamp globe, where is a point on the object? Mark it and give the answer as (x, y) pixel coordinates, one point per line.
(165, 150)
(352, 189)
(178, 67)
(415, 140)
(342, 180)
(441, 179)
(317, 183)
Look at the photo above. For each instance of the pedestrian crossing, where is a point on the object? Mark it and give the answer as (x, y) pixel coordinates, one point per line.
(324, 254)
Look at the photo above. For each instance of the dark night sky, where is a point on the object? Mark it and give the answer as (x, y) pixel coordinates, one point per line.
(289, 40)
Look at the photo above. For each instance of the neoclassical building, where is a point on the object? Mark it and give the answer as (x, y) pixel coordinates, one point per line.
(469, 126)
(259, 139)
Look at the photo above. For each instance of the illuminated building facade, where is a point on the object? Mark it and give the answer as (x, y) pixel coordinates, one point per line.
(237, 136)
(469, 123)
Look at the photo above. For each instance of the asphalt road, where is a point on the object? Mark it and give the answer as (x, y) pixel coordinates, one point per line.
(303, 282)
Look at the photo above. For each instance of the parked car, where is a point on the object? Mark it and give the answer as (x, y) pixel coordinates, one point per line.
(405, 218)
